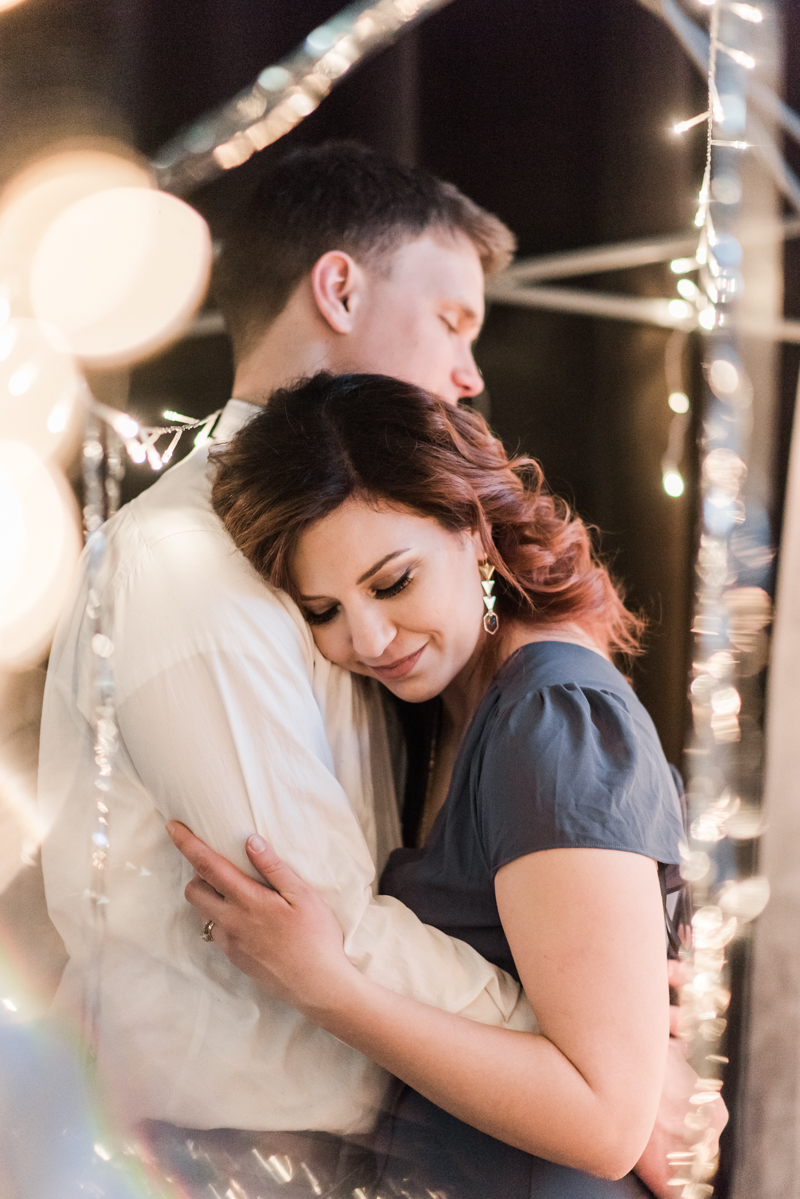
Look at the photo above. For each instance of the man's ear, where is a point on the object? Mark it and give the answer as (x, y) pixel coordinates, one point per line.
(337, 281)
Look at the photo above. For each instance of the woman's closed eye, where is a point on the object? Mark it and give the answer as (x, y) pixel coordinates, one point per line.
(382, 593)
(316, 618)
(379, 593)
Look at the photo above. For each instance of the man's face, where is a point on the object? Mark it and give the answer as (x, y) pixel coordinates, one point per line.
(421, 316)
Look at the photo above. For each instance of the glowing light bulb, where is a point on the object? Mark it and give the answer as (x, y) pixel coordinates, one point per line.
(723, 377)
(707, 318)
(673, 483)
(747, 13)
(22, 379)
(744, 60)
(680, 310)
(679, 402)
(126, 426)
(681, 266)
(687, 289)
(682, 126)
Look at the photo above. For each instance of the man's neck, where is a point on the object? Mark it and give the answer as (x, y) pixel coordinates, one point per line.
(296, 344)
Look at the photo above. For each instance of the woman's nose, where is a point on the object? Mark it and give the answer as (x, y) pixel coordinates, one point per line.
(370, 632)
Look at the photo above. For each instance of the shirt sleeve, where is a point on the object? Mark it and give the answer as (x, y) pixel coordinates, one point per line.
(570, 766)
(226, 733)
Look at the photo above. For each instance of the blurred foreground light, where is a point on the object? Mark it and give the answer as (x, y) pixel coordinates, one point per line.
(680, 310)
(673, 483)
(5, 4)
(681, 266)
(678, 402)
(120, 273)
(39, 546)
(39, 194)
(688, 289)
(748, 13)
(707, 318)
(41, 392)
(723, 377)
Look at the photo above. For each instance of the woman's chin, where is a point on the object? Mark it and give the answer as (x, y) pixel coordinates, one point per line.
(412, 690)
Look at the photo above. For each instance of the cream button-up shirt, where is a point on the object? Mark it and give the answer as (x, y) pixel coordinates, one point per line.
(232, 722)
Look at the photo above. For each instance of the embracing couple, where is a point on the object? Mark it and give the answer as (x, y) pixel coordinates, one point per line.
(363, 656)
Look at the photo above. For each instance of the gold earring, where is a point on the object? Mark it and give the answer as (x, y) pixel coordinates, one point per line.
(490, 622)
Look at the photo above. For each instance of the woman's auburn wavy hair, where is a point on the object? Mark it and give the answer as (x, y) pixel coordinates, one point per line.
(330, 438)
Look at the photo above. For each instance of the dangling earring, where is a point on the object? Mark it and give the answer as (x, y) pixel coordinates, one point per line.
(490, 622)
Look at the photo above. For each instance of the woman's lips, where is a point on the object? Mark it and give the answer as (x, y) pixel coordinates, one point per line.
(399, 668)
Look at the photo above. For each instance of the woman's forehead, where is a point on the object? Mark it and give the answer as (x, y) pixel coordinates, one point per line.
(358, 534)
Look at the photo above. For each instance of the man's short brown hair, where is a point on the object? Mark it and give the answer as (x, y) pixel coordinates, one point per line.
(336, 196)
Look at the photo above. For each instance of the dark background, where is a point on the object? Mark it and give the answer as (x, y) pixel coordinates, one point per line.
(554, 115)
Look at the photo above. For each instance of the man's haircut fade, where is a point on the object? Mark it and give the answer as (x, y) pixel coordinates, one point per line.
(336, 196)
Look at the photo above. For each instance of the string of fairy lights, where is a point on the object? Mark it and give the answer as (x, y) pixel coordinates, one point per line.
(731, 611)
(286, 92)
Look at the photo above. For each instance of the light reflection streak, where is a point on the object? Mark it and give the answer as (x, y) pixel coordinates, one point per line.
(284, 93)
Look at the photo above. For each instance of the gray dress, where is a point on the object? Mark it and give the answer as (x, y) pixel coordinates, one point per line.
(559, 754)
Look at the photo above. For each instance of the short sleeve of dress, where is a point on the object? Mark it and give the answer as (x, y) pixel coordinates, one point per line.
(569, 765)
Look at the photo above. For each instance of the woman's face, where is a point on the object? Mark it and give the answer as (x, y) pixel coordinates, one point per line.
(391, 594)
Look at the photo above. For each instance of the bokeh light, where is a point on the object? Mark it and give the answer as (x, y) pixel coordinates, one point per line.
(121, 272)
(679, 402)
(673, 483)
(38, 195)
(42, 393)
(39, 545)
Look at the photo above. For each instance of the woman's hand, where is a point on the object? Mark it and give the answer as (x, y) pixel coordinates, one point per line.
(286, 939)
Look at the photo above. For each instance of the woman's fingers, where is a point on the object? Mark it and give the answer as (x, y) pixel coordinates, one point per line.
(226, 879)
(272, 868)
(205, 898)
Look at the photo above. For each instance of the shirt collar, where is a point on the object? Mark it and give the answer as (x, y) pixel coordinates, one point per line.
(235, 416)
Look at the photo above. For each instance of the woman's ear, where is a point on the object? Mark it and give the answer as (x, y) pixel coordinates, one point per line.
(337, 282)
(478, 542)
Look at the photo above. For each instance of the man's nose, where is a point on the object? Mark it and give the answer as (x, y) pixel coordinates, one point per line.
(466, 376)
(371, 632)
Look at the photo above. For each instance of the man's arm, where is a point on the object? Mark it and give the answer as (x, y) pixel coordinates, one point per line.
(228, 737)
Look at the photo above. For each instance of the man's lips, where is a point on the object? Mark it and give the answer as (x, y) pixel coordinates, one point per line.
(400, 667)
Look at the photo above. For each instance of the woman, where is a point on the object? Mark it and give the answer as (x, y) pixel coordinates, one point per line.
(422, 557)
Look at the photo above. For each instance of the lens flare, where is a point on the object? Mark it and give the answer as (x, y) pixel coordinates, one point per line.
(41, 392)
(120, 273)
(39, 546)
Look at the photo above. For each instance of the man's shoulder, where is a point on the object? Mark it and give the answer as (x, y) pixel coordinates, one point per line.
(172, 568)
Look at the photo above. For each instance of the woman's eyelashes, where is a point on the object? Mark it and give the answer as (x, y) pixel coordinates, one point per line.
(320, 617)
(382, 593)
(379, 593)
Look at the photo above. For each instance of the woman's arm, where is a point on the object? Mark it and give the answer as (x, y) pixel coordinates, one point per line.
(586, 930)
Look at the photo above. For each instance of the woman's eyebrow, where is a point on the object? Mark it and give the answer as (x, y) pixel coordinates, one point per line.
(307, 599)
(374, 569)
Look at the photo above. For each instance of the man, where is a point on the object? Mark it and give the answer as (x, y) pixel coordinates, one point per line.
(229, 720)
